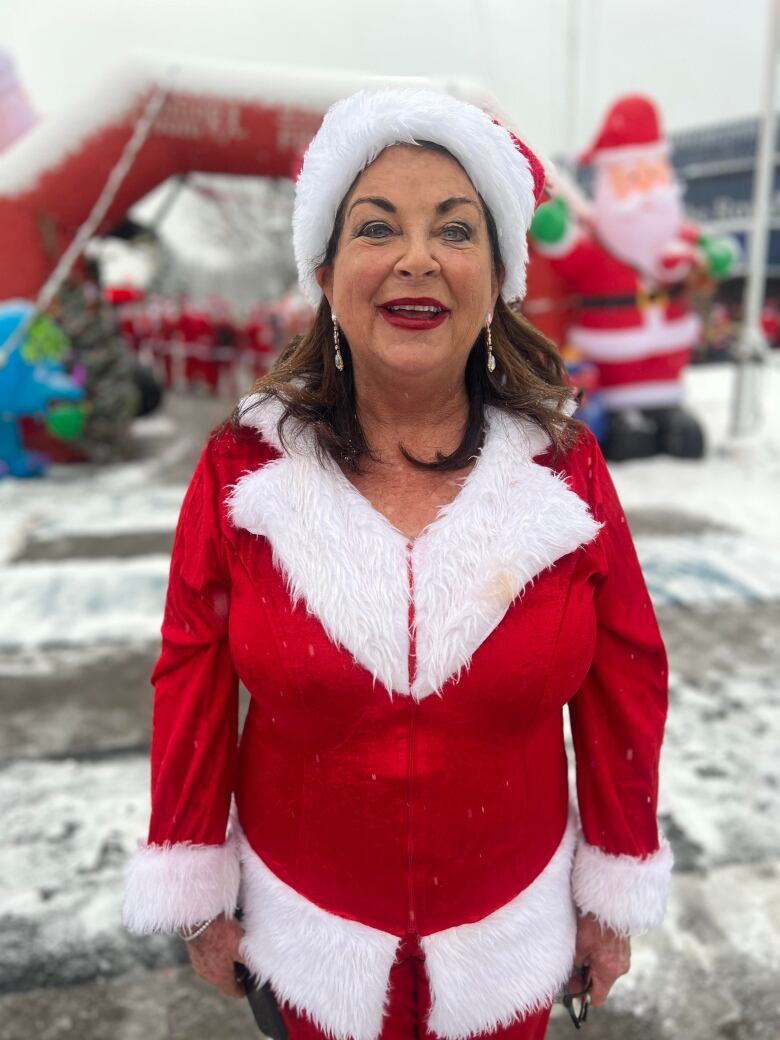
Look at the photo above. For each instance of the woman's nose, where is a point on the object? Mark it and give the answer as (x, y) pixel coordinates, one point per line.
(416, 261)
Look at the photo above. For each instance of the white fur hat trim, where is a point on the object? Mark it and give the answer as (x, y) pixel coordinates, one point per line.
(355, 131)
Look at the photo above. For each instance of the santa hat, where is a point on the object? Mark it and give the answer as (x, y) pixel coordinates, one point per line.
(506, 173)
(632, 126)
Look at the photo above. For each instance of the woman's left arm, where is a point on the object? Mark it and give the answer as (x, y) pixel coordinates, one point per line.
(621, 869)
(188, 871)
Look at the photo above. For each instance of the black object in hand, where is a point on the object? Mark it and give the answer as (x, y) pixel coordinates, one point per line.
(263, 1004)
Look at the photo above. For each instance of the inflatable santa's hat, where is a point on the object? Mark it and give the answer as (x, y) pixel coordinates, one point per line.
(632, 125)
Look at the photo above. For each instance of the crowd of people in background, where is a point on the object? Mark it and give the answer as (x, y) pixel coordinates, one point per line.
(206, 346)
(723, 325)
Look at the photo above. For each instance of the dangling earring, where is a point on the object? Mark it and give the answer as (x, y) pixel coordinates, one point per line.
(337, 344)
(491, 361)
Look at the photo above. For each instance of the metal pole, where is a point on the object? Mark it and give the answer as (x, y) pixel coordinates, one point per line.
(170, 198)
(572, 77)
(141, 131)
(752, 347)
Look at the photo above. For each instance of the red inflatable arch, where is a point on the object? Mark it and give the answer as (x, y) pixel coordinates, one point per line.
(215, 118)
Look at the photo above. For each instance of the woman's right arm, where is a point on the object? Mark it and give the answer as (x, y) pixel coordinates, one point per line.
(188, 871)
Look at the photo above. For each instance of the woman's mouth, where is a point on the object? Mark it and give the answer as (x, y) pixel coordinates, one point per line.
(414, 314)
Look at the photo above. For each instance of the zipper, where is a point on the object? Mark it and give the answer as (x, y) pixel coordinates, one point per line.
(411, 916)
(412, 660)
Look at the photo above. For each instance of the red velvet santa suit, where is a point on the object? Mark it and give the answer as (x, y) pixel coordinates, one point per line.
(402, 766)
(197, 330)
(257, 339)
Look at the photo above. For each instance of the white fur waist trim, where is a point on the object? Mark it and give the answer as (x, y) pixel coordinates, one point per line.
(334, 969)
(652, 394)
(485, 975)
(481, 975)
(656, 335)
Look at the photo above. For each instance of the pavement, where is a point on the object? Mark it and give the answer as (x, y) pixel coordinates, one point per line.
(73, 775)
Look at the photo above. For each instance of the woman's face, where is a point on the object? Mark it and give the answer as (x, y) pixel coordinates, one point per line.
(412, 282)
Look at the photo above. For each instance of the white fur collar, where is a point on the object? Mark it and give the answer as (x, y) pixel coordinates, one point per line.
(512, 520)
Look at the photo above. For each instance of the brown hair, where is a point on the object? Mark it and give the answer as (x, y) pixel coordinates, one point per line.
(529, 379)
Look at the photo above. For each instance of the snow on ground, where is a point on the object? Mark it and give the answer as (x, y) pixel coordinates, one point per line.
(720, 769)
(83, 602)
(80, 500)
(709, 570)
(68, 828)
(81, 508)
(731, 552)
(78, 602)
(735, 487)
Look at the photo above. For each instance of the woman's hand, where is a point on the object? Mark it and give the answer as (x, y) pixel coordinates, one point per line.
(607, 954)
(214, 953)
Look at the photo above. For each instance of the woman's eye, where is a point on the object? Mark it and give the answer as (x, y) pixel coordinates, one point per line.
(456, 233)
(376, 229)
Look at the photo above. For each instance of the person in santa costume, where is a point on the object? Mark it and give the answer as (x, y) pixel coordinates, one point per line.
(626, 267)
(414, 559)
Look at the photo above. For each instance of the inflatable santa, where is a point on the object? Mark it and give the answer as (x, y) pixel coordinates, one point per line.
(627, 266)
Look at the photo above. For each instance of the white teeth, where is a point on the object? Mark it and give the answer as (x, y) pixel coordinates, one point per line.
(411, 307)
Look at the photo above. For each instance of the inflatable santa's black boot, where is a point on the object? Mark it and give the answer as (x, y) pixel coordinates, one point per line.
(631, 434)
(679, 432)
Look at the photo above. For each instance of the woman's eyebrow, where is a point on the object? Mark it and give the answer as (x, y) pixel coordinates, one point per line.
(388, 207)
(374, 200)
(455, 200)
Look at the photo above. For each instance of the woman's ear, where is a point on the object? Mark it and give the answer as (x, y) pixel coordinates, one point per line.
(324, 276)
(498, 284)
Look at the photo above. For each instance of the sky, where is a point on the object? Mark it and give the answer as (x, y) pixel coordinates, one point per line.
(700, 59)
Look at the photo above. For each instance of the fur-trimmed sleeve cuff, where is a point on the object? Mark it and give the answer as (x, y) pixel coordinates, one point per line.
(625, 893)
(178, 886)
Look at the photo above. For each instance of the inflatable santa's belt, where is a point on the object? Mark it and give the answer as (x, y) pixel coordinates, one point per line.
(642, 299)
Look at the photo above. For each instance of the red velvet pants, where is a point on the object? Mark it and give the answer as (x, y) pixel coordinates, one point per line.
(409, 1004)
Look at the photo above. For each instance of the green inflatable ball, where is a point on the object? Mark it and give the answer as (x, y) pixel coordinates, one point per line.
(65, 421)
(551, 222)
(721, 253)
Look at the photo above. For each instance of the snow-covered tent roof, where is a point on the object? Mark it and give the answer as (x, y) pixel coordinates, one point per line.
(216, 117)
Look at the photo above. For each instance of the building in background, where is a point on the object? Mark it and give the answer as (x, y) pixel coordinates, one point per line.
(716, 164)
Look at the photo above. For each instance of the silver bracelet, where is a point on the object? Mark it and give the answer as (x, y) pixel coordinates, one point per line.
(189, 936)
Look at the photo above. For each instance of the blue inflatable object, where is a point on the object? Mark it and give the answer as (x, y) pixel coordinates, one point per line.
(32, 378)
(593, 413)
(591, 410)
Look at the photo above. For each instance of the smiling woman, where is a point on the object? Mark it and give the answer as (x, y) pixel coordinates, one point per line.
(413, 557)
